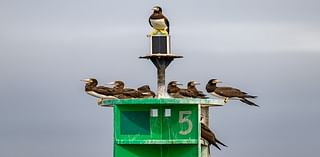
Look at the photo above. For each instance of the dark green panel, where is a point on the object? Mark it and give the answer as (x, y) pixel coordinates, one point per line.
(134, 122)
(133, 137)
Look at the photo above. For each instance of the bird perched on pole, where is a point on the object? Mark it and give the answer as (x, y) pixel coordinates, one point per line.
(174, 91)
(228, 93)
(100, 92)
(158, 21)
(209, 136)
(195, 92)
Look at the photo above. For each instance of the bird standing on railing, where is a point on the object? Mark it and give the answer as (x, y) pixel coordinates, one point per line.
(228, 93)
(146, 91)
(175, 92)
(123, 93)
(195, 92)
(100, 92)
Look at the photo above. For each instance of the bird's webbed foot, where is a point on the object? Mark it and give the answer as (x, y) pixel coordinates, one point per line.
(99, 101)
(154, 32)
(164, 32)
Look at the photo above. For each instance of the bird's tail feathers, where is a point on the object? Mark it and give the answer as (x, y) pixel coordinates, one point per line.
(250, 96)
(221, 143)
(216, 145)
(244, 100)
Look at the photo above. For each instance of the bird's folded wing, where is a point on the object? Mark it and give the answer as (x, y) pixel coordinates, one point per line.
(103, 90)
(229, 92)
(185, 92)
(207, 134)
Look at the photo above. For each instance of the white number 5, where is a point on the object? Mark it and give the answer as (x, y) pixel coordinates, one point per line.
(184, 119)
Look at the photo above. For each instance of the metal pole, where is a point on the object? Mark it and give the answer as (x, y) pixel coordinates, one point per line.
(161, 59)
(204, 144)
(205, 114)
(161, 64)
(161, 81)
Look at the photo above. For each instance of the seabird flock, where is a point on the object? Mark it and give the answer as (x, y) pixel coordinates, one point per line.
(118, 90)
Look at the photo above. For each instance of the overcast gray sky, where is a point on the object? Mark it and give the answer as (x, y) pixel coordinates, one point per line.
(267, 48)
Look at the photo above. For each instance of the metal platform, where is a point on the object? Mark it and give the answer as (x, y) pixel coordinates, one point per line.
(157, 101)
(165, 56)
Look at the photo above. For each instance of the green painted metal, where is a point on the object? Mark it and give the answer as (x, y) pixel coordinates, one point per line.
(153, 141)
(156, 150)
(157, 127)
(182, 126)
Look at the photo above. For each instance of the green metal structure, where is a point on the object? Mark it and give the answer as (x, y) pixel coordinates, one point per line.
(160, 127)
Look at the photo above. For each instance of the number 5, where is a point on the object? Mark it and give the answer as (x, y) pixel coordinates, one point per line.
(184, 119)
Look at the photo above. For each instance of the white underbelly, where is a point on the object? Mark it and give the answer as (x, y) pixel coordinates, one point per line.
(97, 95)
(158, 24)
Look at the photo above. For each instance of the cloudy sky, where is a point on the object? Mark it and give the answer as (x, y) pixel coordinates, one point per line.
(269, 48)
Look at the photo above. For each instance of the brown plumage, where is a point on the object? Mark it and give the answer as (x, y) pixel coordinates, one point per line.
(157, 20)
(174, 91)
(146, 91)
(209, 136)
(100, 92)
(228, 92)
(194, 91)
(123, 93)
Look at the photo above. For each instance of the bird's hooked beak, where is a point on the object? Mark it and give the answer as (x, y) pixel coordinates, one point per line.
(86, 80)
(111, 83)
(196, 83)
(216, 81)
(179, 84)
(155, 9)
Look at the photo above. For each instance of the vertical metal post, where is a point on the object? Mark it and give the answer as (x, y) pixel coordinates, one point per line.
(204, 144)
(205, 114)
(161, 81)
(161, 64)
(161, 57)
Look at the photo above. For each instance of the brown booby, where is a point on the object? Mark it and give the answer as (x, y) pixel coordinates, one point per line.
(195, 92)
(158, 21)
(174, 91)
(146, 91)
(100, 92)
(209, 136)
(228, 92)
(123, 93)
